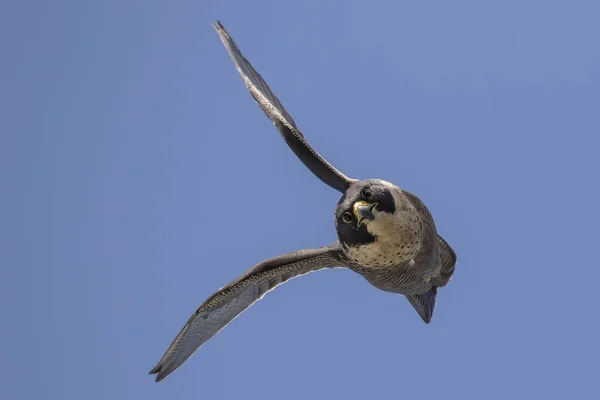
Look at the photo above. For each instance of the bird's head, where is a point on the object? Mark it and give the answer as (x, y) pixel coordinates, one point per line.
(365, 205)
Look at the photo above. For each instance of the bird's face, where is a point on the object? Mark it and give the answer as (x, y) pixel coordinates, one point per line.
(364, 203)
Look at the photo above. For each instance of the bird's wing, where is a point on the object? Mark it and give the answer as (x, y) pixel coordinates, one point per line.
(447, 262)
(273, 108)
(231, 300)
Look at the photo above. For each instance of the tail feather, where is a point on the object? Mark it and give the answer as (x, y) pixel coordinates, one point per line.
(424, 303)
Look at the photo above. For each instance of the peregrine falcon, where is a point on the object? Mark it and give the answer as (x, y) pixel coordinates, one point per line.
(385, 234)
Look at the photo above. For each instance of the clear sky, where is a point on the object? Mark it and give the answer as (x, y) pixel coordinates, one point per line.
(130, 150)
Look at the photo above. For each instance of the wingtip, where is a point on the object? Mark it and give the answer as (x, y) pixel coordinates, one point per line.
(221, 31)
(155, 370)
(218, 26)
(158, 371)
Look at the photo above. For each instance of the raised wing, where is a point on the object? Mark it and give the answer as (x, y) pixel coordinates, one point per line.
(231, 300)
(273, 108)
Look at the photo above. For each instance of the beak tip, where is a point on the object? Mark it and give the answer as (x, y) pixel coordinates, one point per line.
(364, 210)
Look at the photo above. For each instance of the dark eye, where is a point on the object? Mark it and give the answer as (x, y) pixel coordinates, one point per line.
(347, 217)
(366, 193)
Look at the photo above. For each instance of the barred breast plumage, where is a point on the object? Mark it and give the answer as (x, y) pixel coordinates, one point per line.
(403, 256)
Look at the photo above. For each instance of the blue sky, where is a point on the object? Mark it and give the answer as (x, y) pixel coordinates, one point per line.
(129, 148)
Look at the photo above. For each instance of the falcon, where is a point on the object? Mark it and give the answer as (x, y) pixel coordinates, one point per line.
(385, 234)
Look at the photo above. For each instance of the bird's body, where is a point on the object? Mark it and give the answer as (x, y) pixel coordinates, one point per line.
(405, 257)
(385, 234)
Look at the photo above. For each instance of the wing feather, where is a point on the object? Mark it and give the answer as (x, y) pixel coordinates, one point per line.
(282, 120)
(447, 261)
(233, 299)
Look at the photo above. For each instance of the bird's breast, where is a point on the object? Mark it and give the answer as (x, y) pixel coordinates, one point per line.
(402, 256)
(398, 238)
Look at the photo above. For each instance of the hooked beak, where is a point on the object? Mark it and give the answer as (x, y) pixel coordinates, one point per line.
(363, 210)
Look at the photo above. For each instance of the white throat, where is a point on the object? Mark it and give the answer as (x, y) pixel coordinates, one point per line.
(398, 236)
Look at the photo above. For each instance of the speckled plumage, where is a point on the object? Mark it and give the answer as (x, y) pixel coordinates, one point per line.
(406, 257)
(384, 233)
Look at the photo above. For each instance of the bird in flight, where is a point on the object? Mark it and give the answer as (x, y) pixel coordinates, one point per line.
(385, 234)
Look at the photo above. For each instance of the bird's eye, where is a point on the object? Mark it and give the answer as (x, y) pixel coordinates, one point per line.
(366, 193)
(347, 217)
